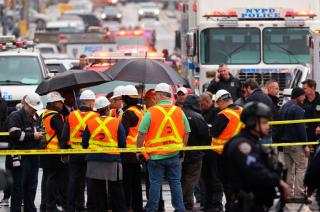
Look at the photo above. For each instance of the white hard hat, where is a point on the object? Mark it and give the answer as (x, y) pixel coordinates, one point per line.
(117, 91)
(54, 96)
(101, 102)
(163, 87)
(130, 90)
(87, 95)
(222, 94)
(183, 90)
(34, 101)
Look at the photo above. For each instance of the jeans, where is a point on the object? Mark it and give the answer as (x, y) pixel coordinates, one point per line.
(171, 168)
(25, 182)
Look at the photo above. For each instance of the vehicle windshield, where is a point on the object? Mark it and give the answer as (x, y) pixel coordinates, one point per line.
(230, 46)
(285, 46)
(20, 70)
(130, 41)
(46, 50)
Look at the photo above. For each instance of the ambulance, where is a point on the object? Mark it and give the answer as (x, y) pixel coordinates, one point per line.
(256, 39)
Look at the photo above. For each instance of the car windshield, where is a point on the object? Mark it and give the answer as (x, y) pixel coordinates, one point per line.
(230, 46)
(285, 46)
(56, 67)
(20, 70)
(111, 10)
(128, 41)
(46, 50)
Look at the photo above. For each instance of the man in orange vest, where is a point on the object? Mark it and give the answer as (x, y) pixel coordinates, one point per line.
(54, 171)
(164, 125)
(116, 102)
(71, 138)
(131, 119)
(226, 125)
(104, 170)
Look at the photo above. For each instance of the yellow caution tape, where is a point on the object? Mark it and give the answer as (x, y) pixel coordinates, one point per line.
(133, 150)
(293, 121)
(4, 133)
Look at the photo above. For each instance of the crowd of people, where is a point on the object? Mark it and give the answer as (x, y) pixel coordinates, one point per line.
(230, 115)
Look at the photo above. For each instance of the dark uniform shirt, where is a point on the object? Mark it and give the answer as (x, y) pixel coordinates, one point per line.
(232, 85)
(247, 168)
(311, 111)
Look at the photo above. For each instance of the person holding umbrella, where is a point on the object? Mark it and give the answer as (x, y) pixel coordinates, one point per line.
(104, 171)
(71, 138)
(164, 125)
(131, 119)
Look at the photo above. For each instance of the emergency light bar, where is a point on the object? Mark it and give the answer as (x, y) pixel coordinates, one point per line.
(230, 13)
(123, 55)
(291, 13)
(7, 38)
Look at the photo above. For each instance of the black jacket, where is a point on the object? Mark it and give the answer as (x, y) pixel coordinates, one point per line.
(21, 129)
(199, 129)
(292, 132)
(232, 85)
(210, 115)
(247, 167)
(56, 123)
(259, 96)
(312, 110)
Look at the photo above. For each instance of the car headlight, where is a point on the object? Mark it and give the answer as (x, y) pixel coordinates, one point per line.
(140, 12)
(119, 15)
(103, 16)
(156, 12)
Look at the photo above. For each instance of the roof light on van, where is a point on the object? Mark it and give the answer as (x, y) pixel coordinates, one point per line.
(291, 13)
(230, 13)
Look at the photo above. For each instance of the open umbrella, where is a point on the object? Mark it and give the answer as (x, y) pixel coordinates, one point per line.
(144, 71)
(72, 79)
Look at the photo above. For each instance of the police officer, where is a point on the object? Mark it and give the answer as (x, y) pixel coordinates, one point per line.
(54, 171)
(131, 119)
(25, 169)
(71, 138)
(226, 125)
(104, 171)
(251, 173)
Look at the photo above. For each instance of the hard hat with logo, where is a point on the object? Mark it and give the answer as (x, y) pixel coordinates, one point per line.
(163, 87)
(222, 94)
(101, 102)
(117, 92)
(54, 96)
(253, 111)
(87, 95)
(130, 90)
(34, 101)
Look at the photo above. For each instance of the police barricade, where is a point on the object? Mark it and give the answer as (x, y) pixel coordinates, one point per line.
(146, 150)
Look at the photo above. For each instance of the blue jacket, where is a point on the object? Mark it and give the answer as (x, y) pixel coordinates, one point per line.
(104, 157)
(292, 132)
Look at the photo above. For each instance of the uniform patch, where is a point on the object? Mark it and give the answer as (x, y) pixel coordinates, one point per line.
(250, 160)
(245, 148)
(317, 107)
(232, 84)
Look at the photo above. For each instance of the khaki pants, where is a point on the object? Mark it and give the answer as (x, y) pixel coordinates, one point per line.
(297, 162)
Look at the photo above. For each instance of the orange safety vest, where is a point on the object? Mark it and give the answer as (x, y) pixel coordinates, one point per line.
(113, 113)
(50, 133)
(133, 131)
(104, 133)
(166, 128)
(233, 128)
(78, 121)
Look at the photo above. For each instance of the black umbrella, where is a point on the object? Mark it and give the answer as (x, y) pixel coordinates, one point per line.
(72, 79)
(144, 71)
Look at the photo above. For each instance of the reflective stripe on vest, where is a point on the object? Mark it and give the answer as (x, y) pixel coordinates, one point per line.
(233, 128)
(133, 131)
(50, 133)
(100, 127)
(75, 135)
(175, 139)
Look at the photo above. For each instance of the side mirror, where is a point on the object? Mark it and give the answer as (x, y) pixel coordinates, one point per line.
(191, 44)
